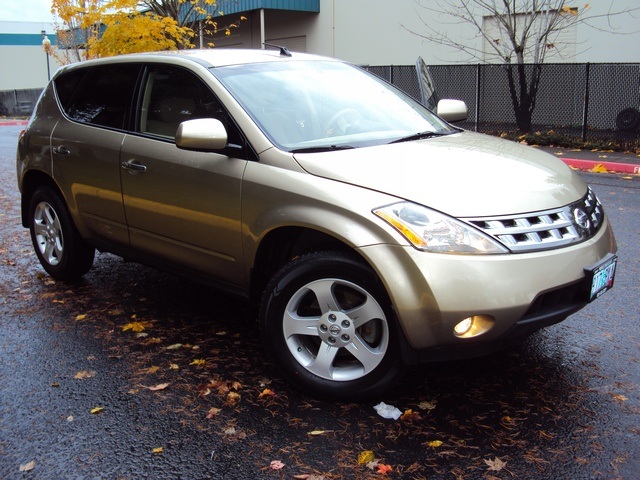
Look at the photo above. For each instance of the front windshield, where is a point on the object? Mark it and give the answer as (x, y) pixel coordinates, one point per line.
(307, 105)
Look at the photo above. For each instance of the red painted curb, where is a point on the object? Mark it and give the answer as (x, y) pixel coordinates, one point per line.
(12, 123)
(594, 166)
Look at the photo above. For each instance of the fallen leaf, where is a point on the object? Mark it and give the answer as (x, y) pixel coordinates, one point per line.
(233, 398)
(365, 456)
(620, 398)
(435, 443)
(384, 469)
(175, 346)
(153, 369)
(70, 418)
(495, 465)
(155, 388)
(213, 411)
(134, 327)
(276, 465)
(427, 405)
(82, 374)
(267, 392)
(599, 168)
(28, 466)
(410, 416)
(372, 465)
(174, 366)
(198, 361)
(95, 410)
(81, 317)
(55, 384)
(317, 432)
(157, 450)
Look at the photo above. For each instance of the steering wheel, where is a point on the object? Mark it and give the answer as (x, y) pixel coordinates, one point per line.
(341, 120)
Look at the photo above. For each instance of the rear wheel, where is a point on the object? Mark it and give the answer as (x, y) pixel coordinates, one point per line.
(58, 245)
(327, 322)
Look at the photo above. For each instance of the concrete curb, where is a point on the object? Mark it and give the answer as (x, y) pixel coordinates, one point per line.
(602, 167)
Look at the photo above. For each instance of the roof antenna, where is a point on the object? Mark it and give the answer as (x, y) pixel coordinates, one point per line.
(284, 51)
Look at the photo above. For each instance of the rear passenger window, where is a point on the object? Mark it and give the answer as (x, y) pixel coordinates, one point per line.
(100, 95)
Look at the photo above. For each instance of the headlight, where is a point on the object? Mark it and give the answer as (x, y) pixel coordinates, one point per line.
(432, 231)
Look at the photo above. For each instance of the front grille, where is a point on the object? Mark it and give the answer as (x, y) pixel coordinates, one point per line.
(547, 229)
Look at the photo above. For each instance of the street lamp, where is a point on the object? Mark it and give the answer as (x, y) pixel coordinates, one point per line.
(46, 44)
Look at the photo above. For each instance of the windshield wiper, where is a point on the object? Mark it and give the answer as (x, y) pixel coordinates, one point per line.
(420, 136)
(323, 148)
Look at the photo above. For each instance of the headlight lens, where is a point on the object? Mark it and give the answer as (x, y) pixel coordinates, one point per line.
(433, 231)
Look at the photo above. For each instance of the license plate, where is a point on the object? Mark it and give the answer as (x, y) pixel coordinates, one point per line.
(601, 276)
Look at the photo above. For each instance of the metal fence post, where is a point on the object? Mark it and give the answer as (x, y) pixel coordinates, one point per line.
(585, 110)
(477, 119)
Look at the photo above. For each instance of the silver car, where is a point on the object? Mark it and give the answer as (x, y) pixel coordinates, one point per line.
(372, 232)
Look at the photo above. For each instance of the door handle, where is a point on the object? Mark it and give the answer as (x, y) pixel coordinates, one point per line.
(134, 166)
(61, 150)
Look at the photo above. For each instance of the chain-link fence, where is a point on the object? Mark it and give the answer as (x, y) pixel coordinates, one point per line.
(582, 102)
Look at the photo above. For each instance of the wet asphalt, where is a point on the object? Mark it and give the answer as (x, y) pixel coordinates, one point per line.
(83, 395)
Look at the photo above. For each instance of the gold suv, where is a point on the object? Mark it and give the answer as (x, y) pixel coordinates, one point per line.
(373, 233)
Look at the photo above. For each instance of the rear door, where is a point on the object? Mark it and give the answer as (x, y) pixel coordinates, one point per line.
(182, 207)
(86, 146)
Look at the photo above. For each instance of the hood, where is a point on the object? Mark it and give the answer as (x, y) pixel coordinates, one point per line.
(464, 174)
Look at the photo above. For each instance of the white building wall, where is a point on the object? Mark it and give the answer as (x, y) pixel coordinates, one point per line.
(25, 66)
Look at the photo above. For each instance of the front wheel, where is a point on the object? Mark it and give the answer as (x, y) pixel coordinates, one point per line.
(327, 322)
(59, 247)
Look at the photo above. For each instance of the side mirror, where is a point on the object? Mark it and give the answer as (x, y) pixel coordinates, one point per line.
(452, 110)
(206, 134)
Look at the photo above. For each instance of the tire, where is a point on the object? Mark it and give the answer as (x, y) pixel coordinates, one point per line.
(628, 120)
(58, 245)
(355, 329)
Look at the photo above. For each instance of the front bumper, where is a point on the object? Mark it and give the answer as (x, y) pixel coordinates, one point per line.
(431, 293)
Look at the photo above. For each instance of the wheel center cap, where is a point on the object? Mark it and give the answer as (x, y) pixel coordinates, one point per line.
(336, 329)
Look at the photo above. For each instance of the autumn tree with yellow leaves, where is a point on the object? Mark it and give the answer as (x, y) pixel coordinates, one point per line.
(101, 28)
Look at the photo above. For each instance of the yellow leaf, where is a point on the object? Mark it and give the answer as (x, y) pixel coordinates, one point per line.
(267, 392)
(435, 443)
(365, 456)
(153, 369)
(175, 346)
(233, 398)
(198, 361)
(599, 168)
(95, 410)
(82, 374)
(620, 398)
(157, 450)
(134, 327)
(174, 366)
(317, 432)
(81, 317)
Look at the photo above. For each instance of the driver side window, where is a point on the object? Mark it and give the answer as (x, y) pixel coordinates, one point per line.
(173, 95)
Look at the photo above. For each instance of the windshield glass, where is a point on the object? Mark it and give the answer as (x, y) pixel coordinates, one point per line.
(309, 105)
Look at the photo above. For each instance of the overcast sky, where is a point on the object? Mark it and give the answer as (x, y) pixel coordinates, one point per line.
(25, 11)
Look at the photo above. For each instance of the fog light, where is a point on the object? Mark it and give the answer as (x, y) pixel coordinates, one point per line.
(463, 327)
(473, 326)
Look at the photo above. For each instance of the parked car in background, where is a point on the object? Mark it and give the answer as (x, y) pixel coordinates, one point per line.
(372, 232)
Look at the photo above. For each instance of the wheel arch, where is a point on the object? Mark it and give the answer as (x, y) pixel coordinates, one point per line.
(31, 181)
(282, 244)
